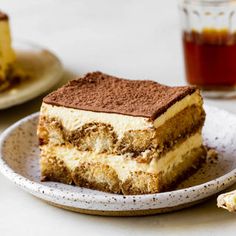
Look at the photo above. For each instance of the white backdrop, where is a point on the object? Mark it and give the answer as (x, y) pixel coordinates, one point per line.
(133, 38)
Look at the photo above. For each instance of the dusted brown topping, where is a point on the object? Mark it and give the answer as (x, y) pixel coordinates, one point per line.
(3, 16)
(104, 93)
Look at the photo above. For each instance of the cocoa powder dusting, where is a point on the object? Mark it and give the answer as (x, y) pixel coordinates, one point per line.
(3, 16)
(100, 92)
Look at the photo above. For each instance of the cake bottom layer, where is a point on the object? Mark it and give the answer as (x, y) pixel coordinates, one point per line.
(118, 174)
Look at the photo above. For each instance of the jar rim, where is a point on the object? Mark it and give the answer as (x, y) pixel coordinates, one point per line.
(209, 2)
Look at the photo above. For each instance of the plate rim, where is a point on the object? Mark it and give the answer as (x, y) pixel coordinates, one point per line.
(31, 186)
(56, 78)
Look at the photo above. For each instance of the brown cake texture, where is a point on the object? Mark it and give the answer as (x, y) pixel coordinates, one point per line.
(121, 136)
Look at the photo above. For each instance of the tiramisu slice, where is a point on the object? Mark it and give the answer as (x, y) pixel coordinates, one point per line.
(121, 136)
(7, 55)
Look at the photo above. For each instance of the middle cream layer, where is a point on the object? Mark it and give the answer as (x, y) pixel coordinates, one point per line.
(73, 119)
(124, 164)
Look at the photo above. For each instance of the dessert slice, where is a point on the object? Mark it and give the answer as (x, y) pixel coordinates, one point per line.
(7, 55)
(121, 136)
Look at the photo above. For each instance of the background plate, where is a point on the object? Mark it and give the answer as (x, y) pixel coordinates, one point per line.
(19, 161)
(45, 71)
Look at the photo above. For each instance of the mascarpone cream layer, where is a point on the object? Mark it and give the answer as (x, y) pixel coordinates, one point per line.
(124, 164)
(73, 119)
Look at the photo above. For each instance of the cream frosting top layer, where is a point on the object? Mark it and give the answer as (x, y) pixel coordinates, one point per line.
(73, 119)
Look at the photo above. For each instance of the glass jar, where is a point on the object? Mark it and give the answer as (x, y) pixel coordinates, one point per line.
(209, 45)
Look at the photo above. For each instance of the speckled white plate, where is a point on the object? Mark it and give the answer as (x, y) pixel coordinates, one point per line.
(44, 70)
(19, 162)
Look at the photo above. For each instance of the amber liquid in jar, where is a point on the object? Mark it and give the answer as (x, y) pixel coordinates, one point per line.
(210, 58)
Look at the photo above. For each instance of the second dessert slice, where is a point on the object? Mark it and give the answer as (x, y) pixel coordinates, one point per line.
(121, 136)
(7, 54)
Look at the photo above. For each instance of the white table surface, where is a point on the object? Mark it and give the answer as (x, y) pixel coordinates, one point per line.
(131, 38)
